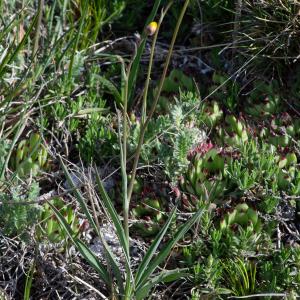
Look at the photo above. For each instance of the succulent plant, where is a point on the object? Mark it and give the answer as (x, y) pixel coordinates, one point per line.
(242, 215)
(284, 179)
(30, 156)
(149, 207)
(282, 129)
(264, 132)
(50, 226)
(287, 171)
(137, 185)
(268, 101)
(204, 179)
(146, 228)
(279, 140)
(289, 160)
(178, 80)
(212, 114)
(234, 133)
(148, 216)
(295, 185)
(225, 90)
(296, 124)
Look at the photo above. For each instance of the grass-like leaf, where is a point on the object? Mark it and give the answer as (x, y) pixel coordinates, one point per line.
(108, 206)
(164, 276)
(12, 54)
(82, 248)
(7, 27)
(110, 257)
(79, 198)
(28, 282)
(155, 244)
(81, 23)
(20, 128)
(111, 88)
(150, 267)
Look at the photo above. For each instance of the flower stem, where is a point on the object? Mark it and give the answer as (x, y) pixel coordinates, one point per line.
(144, 126)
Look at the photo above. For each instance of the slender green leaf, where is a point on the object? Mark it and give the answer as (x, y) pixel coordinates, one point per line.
(162, 255)
(85, 7)
(164, 276)
(110, 257)
(86, 111)
(154, 245)
(12, 54)
(28, 282)
(109, 207)
(82, 248)
(79, 198)
(66, 48)
(13, 91)
(14, 22)
(111, 261)
(129, 278)
(111, 89)
(20, 128)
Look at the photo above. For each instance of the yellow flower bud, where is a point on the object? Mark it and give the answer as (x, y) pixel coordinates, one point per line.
(151, 28)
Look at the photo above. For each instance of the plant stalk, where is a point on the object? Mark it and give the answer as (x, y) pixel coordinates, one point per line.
(125, 97)
(38, 30)
(144, 126)
(124, 158)
(145, 96)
